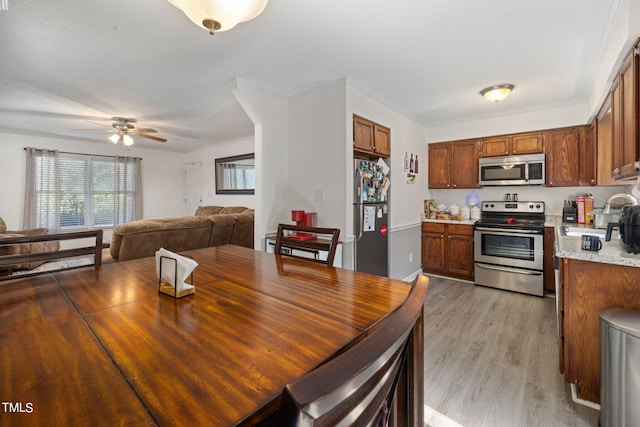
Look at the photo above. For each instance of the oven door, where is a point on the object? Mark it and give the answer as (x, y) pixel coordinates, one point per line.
(512, 248)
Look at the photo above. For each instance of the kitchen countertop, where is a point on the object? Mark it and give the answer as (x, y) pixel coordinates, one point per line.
(451, 221)
(611, 253)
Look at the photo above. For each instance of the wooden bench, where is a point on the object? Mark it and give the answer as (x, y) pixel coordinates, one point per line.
(8, 258)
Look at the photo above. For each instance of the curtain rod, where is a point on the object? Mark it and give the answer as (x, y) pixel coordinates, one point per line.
(84, 154)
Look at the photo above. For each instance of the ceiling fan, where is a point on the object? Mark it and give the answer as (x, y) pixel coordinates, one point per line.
(124, 130)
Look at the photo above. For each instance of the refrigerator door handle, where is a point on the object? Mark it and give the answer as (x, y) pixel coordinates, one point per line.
(360, 217)
(358, 186)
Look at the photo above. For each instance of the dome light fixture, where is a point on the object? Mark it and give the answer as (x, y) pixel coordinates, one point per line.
(220, 15)
(496, 93)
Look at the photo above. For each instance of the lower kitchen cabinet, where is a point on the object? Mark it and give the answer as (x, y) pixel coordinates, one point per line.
(586, 287)
(447, 249)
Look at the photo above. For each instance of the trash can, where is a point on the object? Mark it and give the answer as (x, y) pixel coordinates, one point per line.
(620, 367)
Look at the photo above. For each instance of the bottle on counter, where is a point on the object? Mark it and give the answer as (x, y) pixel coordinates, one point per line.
(582, 218)
(415, 165)
(411, 164)
(406, 162)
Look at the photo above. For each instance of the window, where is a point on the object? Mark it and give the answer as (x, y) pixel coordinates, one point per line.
(77, 191)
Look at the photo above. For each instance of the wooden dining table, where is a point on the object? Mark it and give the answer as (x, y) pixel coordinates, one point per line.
(101, 346)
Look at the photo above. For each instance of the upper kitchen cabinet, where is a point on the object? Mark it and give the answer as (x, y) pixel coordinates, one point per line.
(370, 138)
(625, 151)
(603, 140)
(570, 157)
(510, 145)
(453, 164)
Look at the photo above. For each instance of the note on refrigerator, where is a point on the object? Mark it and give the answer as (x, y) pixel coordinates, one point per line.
(383, 166)
(369, 220)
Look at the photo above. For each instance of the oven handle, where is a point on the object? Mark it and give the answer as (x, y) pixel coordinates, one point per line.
(509, 233)
(509, 270)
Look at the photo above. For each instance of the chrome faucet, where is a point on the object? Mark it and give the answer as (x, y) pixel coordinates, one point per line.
(630, 198)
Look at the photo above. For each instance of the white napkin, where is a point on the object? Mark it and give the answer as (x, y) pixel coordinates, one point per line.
(185, 267)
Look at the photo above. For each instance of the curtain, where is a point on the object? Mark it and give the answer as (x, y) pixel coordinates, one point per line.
(230, 176)
(42, 182)
(127, 190)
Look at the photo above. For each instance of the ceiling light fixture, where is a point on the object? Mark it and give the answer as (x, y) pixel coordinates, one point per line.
(4, 4)
(123, 138)
(496, 93)
(220, 15)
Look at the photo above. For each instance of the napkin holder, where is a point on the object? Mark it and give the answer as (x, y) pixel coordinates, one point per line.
(168, 288)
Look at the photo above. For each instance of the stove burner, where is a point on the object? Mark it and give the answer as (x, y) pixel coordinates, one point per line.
(512, 215)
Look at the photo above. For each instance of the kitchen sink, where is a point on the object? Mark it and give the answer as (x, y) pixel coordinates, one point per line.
(574, 230)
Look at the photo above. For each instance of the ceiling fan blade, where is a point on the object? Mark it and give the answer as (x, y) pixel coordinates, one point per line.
(99, 124)
(146, 130)
(155, 138)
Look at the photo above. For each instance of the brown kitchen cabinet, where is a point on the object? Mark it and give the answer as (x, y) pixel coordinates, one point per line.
(515, 144)
(603, 139)
(570, 157)
(370, 138)
(447, 249)
(453, 164)
(625, 152)
(586, 287)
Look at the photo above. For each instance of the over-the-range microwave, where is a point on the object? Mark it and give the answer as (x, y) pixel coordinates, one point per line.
(512, 170)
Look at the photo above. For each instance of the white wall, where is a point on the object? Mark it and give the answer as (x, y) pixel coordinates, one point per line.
(270, 117)
(162, 174)
(207, 158)
(317, 173)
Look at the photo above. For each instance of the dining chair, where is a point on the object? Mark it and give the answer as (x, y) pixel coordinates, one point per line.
(311, 240)
(357, 387)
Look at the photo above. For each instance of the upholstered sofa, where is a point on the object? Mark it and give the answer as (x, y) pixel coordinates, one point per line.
(210, 226)
(27, 248)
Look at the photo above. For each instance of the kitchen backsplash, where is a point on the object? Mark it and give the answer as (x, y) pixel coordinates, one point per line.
(553, 197)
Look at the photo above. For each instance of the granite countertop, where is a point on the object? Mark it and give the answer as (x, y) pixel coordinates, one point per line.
(612, 252)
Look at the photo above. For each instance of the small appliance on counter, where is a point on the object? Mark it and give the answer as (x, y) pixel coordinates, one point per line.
(305, 219)
(629, 226)
(569, 212)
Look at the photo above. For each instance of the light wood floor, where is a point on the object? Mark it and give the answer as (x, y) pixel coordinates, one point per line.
(491, 359)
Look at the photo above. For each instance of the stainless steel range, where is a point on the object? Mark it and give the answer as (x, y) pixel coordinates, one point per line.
(508, 246)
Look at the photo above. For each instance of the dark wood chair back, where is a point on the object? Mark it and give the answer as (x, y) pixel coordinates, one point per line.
(356, 387)
(307, 239)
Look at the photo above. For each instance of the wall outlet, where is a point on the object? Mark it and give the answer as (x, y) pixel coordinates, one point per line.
(410, 256)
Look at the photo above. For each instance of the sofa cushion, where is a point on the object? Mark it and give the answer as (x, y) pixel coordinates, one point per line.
(208, 210)
(243, 229)
(222, 229)
(233, 209)
(142, 238)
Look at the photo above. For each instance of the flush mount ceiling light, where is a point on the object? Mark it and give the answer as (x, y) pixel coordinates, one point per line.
(496, 93)
(220, 15)
(123, 138)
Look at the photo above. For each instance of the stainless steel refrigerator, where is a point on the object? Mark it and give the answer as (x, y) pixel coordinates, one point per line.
(371, 213)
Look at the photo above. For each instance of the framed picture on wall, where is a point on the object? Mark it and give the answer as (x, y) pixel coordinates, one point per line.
(236, 174)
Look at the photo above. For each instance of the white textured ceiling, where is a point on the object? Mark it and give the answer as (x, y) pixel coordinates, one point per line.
(66, 61)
